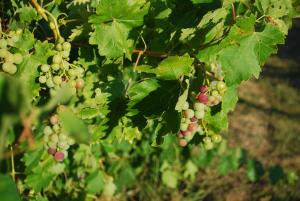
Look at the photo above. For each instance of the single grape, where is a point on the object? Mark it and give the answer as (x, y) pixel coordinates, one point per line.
(17, 58)
(49, 83)
(57, 80)
(42, 79)
(199, 114)
(55, 67)
(182, 142)
(185, 106)
(180, 134)
(59, 156)
(79, 84)
(189, 113)
(45, 68)
(57, 59)
(59, 47)
(70, 141)
(65, 65)
(203, 88)
(65, 54)
(48, 130)
(63, 137)
(66, 46)
(3, 53)
(208, 145)
(199, 106)
(51, 144)
(215, 93)
(63, 145)
(54, 119)
(61, 40)
(189, 136)
(216, 138)
(80, 72)
(184, 126)
(52, 151)
(56, 127)
(186, 120)
(72, 72)
(202, 98)
(192, 127)
(3, 43)
(54, 138)
(9, 68)
(9, 57)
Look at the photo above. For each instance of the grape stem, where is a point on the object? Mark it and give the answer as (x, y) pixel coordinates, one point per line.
(44, 14)
(13, 172)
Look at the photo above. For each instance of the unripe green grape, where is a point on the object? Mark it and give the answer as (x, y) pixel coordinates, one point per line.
(63, 137)
(9, 68)
(221, 86)
(42, 79)
(57, 59)
(46, 138)
(65, 54)
(200, 130)
(63, 145)
(45, 68)
(199, 114)
(208, 145)
(184, 126)
(49, 83)
(57, 80)
(213, 84)
(56, 127)
(55, 67)
(216, 138)
(18, 58)
(189, 113)
(59, 47)
(70, 141)
(3, 53)
(72, 72)
(65, 65)
(215, 93)
(19, 31)
(186, 120)
(3, 43)
(54, 119)
(185, 106)
(54, 138)
(66, 46)
(199, 106)
(61, 40)
(189, 136)
(48, 130)
(9, 57)
(80, 72)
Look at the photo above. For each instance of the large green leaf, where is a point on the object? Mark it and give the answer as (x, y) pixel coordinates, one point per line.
(113, 22)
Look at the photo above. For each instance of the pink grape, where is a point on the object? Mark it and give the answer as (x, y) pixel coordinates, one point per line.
(52, 151)
(192, 127)
(59, 156)
(182, 142)
(203, 88)
(202, 98)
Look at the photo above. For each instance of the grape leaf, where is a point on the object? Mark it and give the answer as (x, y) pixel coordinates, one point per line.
(171, 68)
(183, 98)
(27, 14)
(94, 182)
(113, 22)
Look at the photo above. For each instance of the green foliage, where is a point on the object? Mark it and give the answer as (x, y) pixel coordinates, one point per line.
(93, 93)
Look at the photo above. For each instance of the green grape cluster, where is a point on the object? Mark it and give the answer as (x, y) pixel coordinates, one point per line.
(61, 72)
(55, 140)
(9, 55)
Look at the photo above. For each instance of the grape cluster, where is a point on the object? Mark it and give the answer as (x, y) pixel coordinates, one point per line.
(61, 72)
(56, 142)
(9, 55)
(192, 118)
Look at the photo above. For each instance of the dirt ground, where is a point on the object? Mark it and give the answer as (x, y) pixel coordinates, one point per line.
(266, 122)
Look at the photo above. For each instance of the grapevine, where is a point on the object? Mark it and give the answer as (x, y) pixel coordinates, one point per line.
(88, 86)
